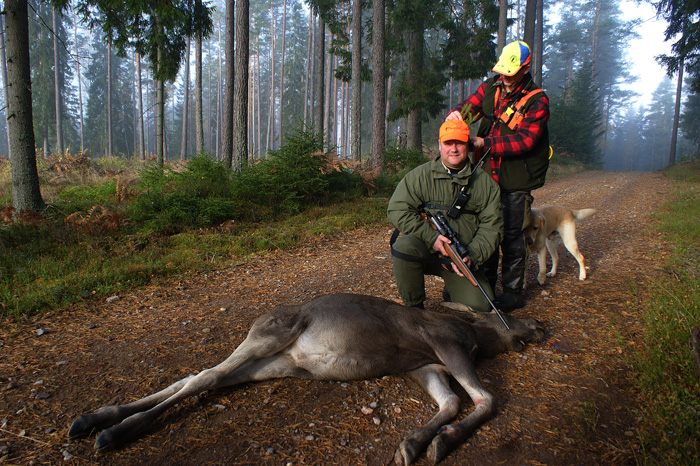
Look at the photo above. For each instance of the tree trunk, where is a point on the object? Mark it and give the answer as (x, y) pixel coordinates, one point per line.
(415, 70)
(26, 194)
(57, 84)
(185, 104)
(502, 25)
(218, 105)
(539, 39)
(281, 104)
(160, 115)
(227, 142)
(240, 101)
(676, 112)
(308, 75)
(595, 37)
(3, 68)
(109, 97)
(356, 80)
(327, 100)
(198, 102)
(319, 93)
(529, 29)
(378, 84)
(139, 85)
(271, 109)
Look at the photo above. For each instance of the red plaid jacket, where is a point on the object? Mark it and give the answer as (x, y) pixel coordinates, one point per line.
(529, 131)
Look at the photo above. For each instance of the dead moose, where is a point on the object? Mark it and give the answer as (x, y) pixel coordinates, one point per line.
(349, 337)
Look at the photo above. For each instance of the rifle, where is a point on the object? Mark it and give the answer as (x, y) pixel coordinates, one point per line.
(456, 251)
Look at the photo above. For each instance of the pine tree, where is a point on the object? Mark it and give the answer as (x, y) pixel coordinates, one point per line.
(575, 121)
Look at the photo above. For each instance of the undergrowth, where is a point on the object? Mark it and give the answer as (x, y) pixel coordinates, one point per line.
(113, 224)
(668, 375)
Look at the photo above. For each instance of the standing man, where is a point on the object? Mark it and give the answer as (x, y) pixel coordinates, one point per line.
(514, 135)
(470, 201)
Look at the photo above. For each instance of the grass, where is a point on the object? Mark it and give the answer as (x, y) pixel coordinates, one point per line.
(668, 376)
(45, 268)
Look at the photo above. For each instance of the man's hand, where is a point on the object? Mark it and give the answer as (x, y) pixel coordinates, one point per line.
(476, 143)
(441, 245)
(456, 115)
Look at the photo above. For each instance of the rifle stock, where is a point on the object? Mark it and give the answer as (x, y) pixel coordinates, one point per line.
(439, 224)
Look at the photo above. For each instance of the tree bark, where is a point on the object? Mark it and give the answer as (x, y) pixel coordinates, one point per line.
(529, 28)
(356, 80)
(198, 102)
(26, 194)
(109, 97)
(139, 85)
(320, 75)
(185, 104)
(676, 112)
(415, 70)
(308, 75)
(281, 104)
(58, 85)
(3, 68)
(218, 104)
(502, 25)
(240, 100)
(378, 84)
(227, 140)
(271, 108)
(539, 42)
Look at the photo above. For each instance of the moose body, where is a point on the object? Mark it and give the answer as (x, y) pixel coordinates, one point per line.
(348, 337)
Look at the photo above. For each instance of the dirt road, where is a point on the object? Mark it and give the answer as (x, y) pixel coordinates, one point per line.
(567, 401)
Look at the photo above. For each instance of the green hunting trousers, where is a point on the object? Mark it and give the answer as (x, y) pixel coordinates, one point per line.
(410, 279)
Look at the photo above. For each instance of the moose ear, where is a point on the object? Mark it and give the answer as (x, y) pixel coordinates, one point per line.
(471, 313)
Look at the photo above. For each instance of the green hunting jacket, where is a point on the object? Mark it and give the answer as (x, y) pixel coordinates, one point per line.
(479, 227)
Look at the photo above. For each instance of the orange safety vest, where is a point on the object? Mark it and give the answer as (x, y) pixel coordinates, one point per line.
(513, 115)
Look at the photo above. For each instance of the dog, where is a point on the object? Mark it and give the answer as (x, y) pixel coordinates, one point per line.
(550, 226)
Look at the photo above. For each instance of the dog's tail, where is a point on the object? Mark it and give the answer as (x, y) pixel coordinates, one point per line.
(583, 213)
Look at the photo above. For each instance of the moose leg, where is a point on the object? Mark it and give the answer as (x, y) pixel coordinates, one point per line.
(269, 336)
(433, 379)
(109, 415)
(452, 436)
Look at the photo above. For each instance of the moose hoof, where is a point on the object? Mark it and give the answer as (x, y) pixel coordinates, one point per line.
(105, 442)
(405, 454)
(79, 429)
(445, 442)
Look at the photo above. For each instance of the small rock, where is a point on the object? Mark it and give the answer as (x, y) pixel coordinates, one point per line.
(41, 331)
(220, 407)
(629, 433)
(50, 430)
(373, 405)
(10, 385)
(112, 299)
(376, 420)
(67, 455)
(4, 450)
(397, 410)
(366, 411)
(270, 451)
(42, 395)
(310, 438)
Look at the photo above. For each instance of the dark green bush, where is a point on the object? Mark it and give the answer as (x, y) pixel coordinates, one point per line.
(170, 201)
(290, 177)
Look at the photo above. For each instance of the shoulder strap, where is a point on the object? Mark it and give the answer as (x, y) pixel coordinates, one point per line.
(411, 258)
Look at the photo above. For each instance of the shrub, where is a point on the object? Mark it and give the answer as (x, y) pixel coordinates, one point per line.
(290, 178)
(170, 201)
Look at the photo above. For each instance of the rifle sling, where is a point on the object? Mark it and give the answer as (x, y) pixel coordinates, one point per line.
(411, 258)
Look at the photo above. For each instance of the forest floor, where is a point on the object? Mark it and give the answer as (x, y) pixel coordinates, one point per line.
(570, 400)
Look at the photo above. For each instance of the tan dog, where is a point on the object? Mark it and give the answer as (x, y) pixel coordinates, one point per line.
(551, 226)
